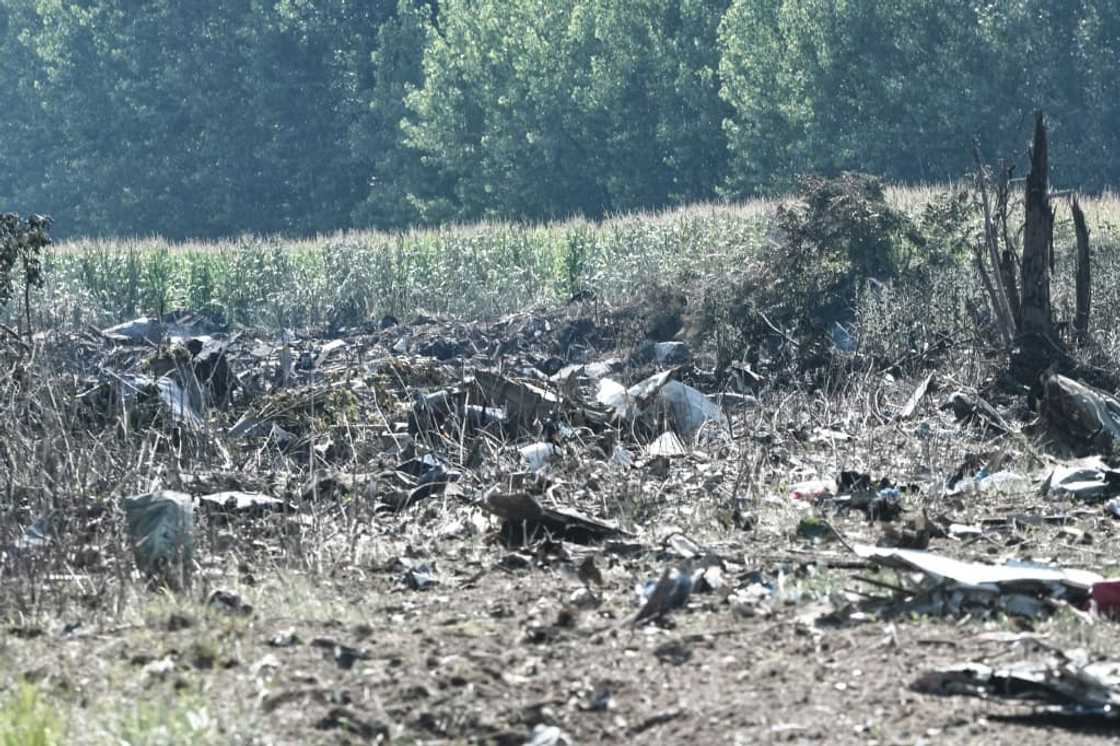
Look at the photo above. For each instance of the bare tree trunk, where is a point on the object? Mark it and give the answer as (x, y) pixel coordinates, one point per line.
(1037, 241)
(1084, 298)
(1036, 348)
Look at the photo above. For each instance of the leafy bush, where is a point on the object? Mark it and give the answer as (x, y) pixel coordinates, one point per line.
(839, 233)
(21, 246)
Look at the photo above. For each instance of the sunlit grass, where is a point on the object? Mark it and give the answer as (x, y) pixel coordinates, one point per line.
(472, 271)
(26, 719)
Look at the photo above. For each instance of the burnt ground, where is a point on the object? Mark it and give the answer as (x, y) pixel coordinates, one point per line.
(375, 601)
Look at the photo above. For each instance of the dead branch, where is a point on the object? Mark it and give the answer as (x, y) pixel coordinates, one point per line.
(1084, 298)
(992, 280)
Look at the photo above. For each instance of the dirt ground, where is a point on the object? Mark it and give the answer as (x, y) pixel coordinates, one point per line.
(344, 621)
(487, 660)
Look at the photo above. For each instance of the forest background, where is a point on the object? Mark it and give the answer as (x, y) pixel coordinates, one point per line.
(201, 120)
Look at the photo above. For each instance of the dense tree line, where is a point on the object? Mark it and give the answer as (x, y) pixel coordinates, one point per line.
(217, 117)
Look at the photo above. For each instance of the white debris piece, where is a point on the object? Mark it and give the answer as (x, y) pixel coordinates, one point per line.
(537, 455)
(667, 445)
(689, 408)
(161, 531)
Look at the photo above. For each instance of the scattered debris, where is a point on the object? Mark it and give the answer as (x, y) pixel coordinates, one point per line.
(1088, 417)
(946, 586)
(528, 437)
(161, 531)
(524, 520)
(1086, 479)
(526, 473)
(1067, 683)
(669, 592)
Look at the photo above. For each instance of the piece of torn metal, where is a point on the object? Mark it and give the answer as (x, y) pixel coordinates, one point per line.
(941, 586)
(178, 402)
(1086, 415)
(538, 455)
(524, 520)
(136, 331)
(973, 410)
(1086, 479)
(327, 350)
(522, 401)
(1067, 683)
(689, 408)
(915, 399)
(243, 501)
(1023, 577)
(615, 396)
(161, 532)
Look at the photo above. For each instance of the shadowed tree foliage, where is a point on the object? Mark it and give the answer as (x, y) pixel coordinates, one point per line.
(899, 88)
(540, 109)
(291, 116)
(191, 120)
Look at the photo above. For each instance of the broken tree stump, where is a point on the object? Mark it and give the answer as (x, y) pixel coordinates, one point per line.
(1036, 346)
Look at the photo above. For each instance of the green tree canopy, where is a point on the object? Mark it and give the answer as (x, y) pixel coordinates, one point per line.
(294, 116)
(538, 109)
(901, 88)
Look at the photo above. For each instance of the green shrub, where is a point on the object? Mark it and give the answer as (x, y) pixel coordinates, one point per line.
(575, 259)
(839, 233)
(22, 242)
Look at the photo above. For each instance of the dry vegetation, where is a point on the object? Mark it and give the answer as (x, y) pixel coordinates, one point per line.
(328, 630)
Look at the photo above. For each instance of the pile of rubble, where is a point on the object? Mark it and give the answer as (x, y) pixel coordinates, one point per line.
(522, 421)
